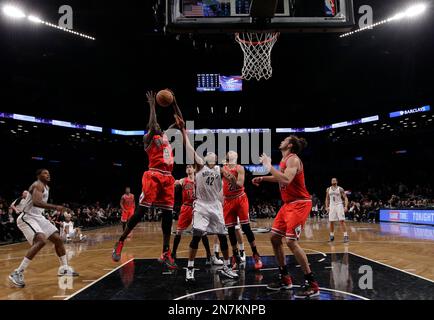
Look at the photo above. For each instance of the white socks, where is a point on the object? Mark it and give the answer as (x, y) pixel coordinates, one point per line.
(190, 264)
(228, 262)
(24, 264)
(63, 261)
(345, 234)
(241, 247)
(332, 234)
(216, 247)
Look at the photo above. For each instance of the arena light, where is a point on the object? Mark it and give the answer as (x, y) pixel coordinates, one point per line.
(21, 117)
(13, 12)
(411, 12)
(415, 10)
(34, 19)
(17, 13)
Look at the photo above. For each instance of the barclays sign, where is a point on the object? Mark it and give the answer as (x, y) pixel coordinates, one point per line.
(409, 111)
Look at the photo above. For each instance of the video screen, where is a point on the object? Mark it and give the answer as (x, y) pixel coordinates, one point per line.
(212, 82)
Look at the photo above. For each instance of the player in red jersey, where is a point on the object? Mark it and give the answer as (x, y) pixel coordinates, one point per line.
(128, 205)
(236, 206)
(186, 215)
(292, 216)
(158, 184)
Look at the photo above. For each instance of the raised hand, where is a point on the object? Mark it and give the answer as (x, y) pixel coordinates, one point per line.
(150, 95)
(265, 160)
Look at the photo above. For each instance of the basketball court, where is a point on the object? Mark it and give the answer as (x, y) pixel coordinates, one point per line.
(140, 277)
(269, 67)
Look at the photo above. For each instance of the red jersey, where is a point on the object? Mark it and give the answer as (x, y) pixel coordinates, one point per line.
(128, 201)
(188, 188)
(160, 154)
(296, 190)
(230, 189)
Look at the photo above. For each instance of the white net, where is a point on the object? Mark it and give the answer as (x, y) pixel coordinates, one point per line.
(257, 49)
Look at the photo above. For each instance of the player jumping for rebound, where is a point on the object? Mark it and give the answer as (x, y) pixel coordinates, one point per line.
(158, 184)
(334, 202)
(128, 205)
(208, 208)
(37, 229)
(292, 216)
(186, 215)
(236, 206)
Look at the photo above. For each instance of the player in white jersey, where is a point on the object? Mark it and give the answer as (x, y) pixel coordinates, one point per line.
(207, 208)
(37, 229)
(336, 205)
(68, 232)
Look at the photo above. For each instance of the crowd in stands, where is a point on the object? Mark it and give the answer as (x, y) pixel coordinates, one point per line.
(83, 217)
(363, 207)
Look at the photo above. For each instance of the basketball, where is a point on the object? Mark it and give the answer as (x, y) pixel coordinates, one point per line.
(165, 98)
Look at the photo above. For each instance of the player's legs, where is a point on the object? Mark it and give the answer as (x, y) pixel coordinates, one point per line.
(132, 222)
(176, 242)
(252, 241)
(205, 242)
(332, 219)
(17, 277)
(344, 228)
(240, 242)
(166, 227)
(230, 219)
(310, 287)
(184, 221)
(59, 247)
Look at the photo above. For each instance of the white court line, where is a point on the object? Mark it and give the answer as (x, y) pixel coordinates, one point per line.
(60, 296)
(89, 280)
(263, 285)
(99, 279)
(412, 274)
(269, 269)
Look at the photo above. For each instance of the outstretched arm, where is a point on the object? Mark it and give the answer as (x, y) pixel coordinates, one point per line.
(191, 153)
(176, 107)
(292, 166)
(153, 126)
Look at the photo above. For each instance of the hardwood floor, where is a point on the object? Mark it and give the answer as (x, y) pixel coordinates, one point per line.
(406, 247)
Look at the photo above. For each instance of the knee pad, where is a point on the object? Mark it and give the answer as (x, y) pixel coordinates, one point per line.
(232, 236)
(194, 244)
(223, 242)
(248, 232)
(166, 221)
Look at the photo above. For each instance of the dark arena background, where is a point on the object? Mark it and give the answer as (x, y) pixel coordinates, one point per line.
(354, 78)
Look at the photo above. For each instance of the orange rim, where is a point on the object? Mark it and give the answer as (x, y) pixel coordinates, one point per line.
(256, 43)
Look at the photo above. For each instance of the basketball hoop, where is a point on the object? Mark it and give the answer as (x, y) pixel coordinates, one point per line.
(257, 54)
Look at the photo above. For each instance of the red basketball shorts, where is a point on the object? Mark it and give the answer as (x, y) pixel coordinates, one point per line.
(185, 217)
(291, 218)
(158, 190)
(236, 208)
(127, 214)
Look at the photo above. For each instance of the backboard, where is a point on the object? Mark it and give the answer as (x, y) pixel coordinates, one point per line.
(229, 16)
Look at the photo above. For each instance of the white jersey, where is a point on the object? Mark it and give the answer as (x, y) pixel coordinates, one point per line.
(335, 196)
(68, 225)
(208, 184)
(28, 207)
